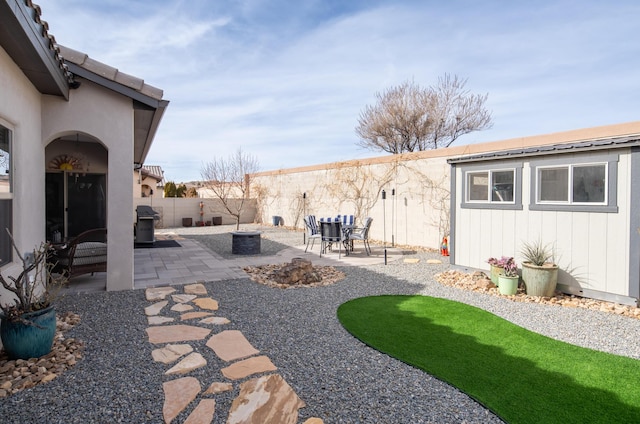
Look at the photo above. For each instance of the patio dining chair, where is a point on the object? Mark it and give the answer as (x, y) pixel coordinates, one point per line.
(313, 232)
(331, 232)
(362, 235)
(347, 219)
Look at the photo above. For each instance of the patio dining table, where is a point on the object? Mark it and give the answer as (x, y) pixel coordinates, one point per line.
(347, 230)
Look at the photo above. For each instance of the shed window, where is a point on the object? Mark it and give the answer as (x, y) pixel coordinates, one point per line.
(490, 186)
(577, 183)
(573, 184)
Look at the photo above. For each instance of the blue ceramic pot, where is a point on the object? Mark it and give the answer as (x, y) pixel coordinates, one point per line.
(32, 339)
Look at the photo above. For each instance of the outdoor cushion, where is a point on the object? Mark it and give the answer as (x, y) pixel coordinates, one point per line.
(90, 248)
(87, 260)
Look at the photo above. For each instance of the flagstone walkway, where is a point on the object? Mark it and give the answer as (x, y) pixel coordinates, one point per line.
(263, 398)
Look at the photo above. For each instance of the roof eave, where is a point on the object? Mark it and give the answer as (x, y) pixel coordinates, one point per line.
(26, 39)
(151, 132)
(148, 110)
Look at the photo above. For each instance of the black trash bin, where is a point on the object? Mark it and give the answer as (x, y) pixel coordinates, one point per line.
(276, 220)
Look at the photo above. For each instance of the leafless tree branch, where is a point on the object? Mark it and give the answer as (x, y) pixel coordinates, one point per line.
(408, 118)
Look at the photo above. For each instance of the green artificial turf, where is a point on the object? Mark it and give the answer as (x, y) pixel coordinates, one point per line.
(521, 376)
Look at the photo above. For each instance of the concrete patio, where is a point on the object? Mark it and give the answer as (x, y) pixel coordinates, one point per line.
(192, 262)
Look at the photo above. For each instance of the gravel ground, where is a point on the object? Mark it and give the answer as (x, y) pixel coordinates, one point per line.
(340, 379)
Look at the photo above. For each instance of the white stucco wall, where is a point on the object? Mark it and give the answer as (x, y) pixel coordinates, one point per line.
(20, 111)
(107, 117)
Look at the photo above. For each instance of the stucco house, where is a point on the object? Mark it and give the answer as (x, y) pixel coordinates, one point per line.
(71, 131)
(148, 181)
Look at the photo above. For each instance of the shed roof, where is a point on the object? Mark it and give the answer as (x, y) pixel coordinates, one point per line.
(579, 146)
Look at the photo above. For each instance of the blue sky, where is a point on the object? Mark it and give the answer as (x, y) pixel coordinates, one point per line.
(286, 80)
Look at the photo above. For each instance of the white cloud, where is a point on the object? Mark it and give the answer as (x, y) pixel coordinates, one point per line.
(287, 80)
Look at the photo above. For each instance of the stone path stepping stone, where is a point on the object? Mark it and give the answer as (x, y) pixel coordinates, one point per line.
(183, 298)
(197, 289)
(214, 320)
(177, 395)
(230, 345)
(154, 294)
(155, 308)
(188, 364)
(434, 261)
(411, 260)
(267, 399)
(171, 353)
(203, 413)
(156, 320)
(176, 333)
(218, 387)
(247, 367)
(181, 307)
(194, 315)
(206, 303)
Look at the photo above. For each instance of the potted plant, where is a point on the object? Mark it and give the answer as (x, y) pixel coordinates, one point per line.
(496, 268)
(539, 272)
(508, 279)
(28, 322)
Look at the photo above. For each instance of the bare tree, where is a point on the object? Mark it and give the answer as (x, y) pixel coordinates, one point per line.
(228, 179)
(408, 118)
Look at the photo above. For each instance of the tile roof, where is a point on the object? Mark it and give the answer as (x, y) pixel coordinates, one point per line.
(25, 37)
(154, 171)
(110, 73)
(52, 41)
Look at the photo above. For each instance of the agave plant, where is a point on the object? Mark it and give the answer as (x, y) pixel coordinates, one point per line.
(536, 253)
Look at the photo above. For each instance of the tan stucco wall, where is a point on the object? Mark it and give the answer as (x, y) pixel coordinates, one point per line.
(422, 178)
(107, 117)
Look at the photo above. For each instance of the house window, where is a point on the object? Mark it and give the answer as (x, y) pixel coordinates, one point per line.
(492, 187)
(6, 195)
(586, 184)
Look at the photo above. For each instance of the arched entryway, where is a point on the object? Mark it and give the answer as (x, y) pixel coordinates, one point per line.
(76, 185)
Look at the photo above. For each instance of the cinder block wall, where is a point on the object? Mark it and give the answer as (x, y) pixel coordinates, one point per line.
(415, 211)
(172, 210)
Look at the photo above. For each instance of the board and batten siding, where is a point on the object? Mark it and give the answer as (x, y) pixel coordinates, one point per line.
(591, 248)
